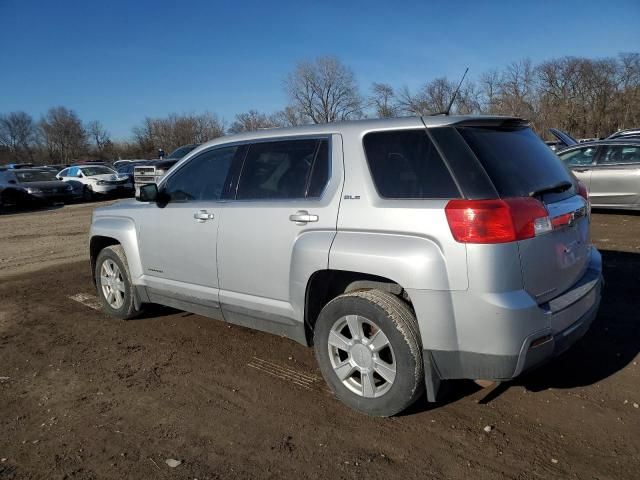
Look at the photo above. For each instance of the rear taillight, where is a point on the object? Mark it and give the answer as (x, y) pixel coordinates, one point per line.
(584, 193)
(497, 221)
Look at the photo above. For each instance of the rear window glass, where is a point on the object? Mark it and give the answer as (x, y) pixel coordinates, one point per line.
(406, 164)
(516, 160)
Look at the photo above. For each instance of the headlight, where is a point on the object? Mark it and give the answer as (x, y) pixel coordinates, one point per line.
(33, 190)
(101, 182)
(160, 172)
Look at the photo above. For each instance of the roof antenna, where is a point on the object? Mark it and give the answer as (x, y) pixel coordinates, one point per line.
(455, 94)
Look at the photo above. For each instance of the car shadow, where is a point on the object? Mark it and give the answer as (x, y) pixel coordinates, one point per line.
(612, 342)
(615, 211)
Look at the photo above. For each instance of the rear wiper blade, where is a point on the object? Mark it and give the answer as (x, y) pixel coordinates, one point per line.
(557, 188)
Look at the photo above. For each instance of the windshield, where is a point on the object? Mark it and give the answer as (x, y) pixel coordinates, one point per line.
(181, 151)
(90, 171)
(517, 161)
(27, 176)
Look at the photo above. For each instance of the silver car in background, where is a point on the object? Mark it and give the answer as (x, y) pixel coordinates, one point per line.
(610, 169)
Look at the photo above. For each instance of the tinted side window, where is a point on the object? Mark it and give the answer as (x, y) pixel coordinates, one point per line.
(580, 156)
(621, 154)
(280, 169)
(73, 172)
(64, 173)
(406, 164)
(201, 178)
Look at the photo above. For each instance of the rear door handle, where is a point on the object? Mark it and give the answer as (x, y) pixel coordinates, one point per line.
(202, 216)
(302, 217)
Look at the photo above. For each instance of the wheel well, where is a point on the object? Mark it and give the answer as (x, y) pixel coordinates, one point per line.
(325, 285)
(97, 244)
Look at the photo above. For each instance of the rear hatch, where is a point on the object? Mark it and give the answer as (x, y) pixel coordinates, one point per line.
(520, 165)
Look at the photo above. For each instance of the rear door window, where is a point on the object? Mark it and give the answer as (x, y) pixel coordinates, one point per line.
(406, 164)
(620, 155)
(517, 161)
(285, 169)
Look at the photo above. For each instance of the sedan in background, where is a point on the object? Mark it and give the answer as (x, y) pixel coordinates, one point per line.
(610, 169)
(629, 133)
(32, 186)
(91, 181)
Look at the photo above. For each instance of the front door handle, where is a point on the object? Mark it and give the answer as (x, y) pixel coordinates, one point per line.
(302, 217)
(202, 216)
(581, 170)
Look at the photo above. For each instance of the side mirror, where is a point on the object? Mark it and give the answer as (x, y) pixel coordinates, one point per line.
(148, 193)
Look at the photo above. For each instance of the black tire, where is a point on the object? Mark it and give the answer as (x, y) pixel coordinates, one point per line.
(127, 310)
(396, 320)
(87, 194)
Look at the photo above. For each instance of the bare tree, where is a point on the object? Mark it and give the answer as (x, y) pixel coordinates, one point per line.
(175, 130)
(324, 90)
(382, 100)
(99, 136)
(435, 96)
(18, 134)
(63, 134)
(289, 117)
(251, 121)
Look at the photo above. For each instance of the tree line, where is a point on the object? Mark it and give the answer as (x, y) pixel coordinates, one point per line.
(585, 97)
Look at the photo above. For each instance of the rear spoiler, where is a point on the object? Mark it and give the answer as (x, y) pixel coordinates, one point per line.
(504, 122)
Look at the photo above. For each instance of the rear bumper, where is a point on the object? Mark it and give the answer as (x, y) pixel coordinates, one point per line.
(504, 351)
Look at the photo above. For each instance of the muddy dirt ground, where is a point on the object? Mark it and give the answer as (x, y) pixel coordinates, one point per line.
(83, 396)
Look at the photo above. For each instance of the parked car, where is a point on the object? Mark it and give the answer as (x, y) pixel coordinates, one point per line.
(610, 169)
(89, 181)
(31, 186)
(126, 168)
(629, 133)
(406, 251)
(121, 163)
(154, 170)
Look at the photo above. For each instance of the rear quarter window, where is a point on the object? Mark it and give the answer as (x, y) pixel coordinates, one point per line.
(406, 165)
(517, 160)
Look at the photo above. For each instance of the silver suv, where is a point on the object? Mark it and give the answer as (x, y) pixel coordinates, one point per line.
(406, 251)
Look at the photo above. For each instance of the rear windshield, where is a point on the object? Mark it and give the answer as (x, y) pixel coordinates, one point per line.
(516, 160)
(28, 176)
(90, 171)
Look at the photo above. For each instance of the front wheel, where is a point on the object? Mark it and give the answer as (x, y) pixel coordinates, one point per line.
(369, 352)
(115, 290)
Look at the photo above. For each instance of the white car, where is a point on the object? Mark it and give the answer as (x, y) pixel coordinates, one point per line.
(88, 181)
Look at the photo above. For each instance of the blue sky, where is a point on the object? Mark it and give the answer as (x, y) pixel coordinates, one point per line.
(118, 61)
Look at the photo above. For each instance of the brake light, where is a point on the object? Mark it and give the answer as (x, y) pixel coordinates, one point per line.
(584, 193)
(497, 221)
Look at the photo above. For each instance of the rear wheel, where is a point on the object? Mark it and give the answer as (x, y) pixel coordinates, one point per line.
(368, 349)
(115, 290)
